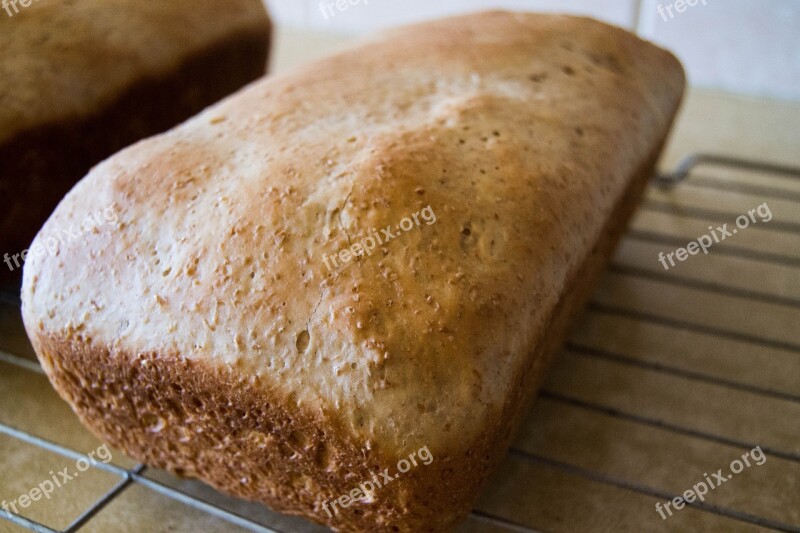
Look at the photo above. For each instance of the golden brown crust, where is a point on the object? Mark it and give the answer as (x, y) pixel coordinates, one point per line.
(531, 145)
(217, 426)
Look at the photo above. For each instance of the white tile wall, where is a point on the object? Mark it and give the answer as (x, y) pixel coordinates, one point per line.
(743, 46)
(747, 46)
(293, 13)
(359, 16)
(367, 15)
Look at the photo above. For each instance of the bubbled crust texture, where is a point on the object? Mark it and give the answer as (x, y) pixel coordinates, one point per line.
(529, 136)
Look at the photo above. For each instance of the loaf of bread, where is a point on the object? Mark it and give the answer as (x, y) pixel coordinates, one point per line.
(334, 292)
(81, 80)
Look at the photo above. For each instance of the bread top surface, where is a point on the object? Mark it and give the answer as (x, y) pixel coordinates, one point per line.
(67, 59)
(519, 131)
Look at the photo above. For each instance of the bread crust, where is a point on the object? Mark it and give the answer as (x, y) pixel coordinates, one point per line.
(437, 340)
(74, 95)
(218, 426)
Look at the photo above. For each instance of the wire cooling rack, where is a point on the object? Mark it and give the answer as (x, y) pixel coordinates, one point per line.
(481, 518)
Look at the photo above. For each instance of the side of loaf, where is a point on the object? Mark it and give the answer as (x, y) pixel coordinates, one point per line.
(82, 80)
(371, 256)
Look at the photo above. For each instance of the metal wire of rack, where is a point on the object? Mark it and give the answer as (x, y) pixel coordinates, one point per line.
(127, 477)
(136, 474)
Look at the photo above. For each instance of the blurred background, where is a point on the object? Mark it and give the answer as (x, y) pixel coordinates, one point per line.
(749, 47)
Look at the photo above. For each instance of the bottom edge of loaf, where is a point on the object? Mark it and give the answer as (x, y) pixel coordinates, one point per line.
(210, 424)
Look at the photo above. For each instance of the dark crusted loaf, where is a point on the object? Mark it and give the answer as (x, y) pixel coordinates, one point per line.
(80, 80)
